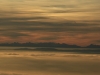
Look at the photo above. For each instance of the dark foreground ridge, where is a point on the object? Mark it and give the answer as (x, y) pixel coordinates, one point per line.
(49, 44)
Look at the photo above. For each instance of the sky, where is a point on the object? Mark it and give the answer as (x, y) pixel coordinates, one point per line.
(60, 21)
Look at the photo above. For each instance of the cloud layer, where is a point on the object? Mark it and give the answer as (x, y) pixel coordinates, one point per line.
(72, 22)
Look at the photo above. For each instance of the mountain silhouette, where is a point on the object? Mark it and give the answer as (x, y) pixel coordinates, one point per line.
(46, 44)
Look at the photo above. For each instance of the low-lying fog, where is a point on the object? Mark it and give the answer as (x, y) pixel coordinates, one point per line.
(48, 63)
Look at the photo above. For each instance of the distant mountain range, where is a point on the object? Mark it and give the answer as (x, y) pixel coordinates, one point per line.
(49, 44)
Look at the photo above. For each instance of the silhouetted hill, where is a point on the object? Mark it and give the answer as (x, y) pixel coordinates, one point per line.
(93, 46)
(49, 44)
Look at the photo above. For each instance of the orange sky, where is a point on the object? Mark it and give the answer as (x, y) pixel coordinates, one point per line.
(61, 21)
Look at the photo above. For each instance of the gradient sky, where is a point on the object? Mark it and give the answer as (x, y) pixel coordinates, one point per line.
(61, 21)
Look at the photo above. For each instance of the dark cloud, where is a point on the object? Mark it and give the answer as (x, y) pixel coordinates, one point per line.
(58, 6)
(97, 41)
(49, 38)
(13, 34)
(89, 21)
(22, 24)
(18, 27)
(21, 19)
(74, 10)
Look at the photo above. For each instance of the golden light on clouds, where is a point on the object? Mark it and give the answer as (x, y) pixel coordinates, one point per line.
(62, 21)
